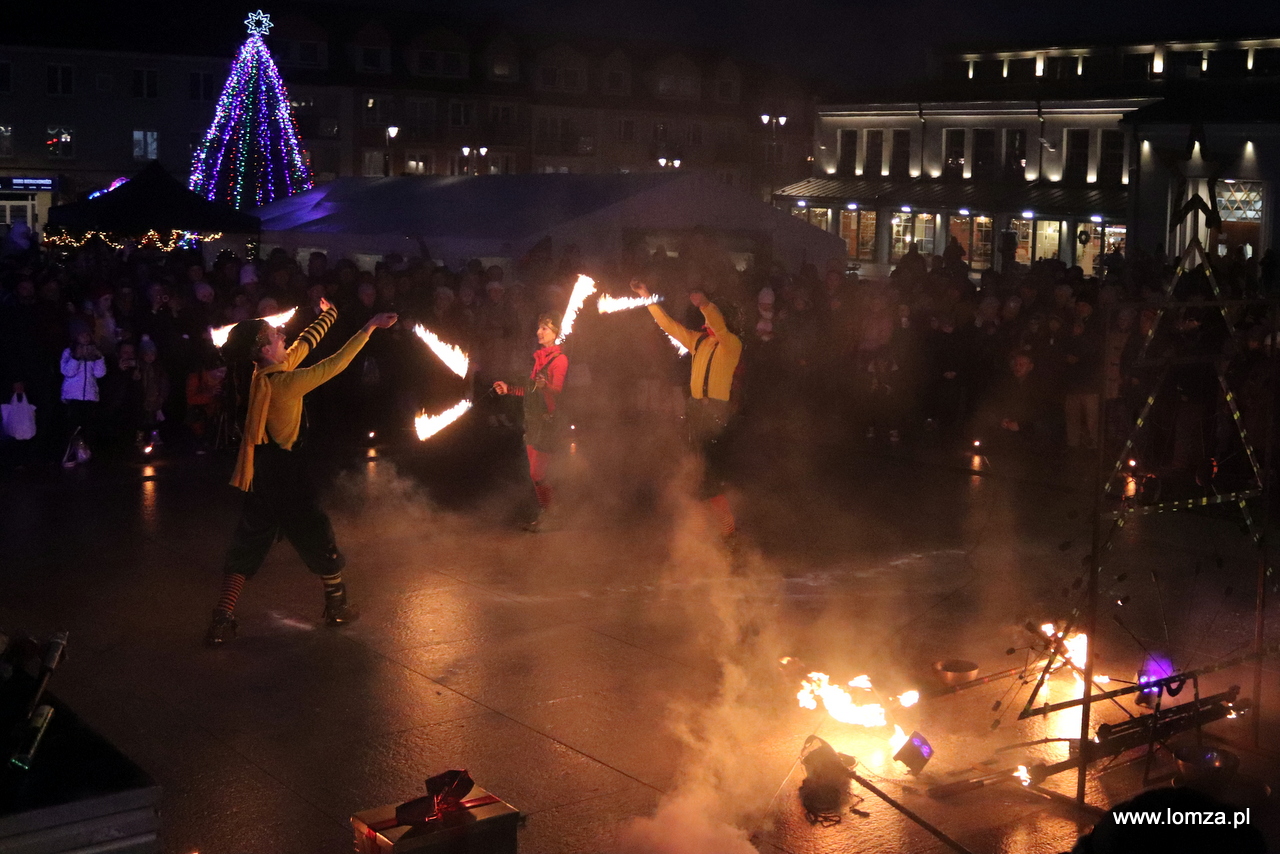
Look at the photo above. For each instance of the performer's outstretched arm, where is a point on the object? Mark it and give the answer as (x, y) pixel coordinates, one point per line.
(678, 331)
(303, 380)
(310, 336)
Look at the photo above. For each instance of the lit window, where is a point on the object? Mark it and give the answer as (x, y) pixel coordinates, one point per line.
(145, 145)
(60, 143)
(6, 140)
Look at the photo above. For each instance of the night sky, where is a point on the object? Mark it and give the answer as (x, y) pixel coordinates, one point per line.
(860, 42)
(839, 44)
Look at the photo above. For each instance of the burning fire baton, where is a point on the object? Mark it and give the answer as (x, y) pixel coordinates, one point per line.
(608, 305)
(583, 288)
(455, 360)
(221, 334)
(453, 357)
(429, 425)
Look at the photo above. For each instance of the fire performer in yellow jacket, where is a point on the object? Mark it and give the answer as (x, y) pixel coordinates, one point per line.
(716, 351)
(279, 496)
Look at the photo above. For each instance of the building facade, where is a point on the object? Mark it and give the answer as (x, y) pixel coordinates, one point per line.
(1047, 153)
(379, 92)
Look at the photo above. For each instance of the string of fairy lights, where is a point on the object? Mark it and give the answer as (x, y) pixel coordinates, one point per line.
(175, 239)
(250, 154)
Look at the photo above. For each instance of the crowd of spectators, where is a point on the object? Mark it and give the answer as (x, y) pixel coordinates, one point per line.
(113, 347)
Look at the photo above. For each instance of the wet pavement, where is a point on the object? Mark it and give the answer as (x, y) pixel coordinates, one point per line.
(621, 664)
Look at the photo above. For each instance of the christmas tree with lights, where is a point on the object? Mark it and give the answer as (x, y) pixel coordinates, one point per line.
(250, 154)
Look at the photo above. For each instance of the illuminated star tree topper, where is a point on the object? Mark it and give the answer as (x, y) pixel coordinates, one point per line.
(250, 155)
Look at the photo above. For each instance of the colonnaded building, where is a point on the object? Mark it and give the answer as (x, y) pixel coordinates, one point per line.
(1055, 152)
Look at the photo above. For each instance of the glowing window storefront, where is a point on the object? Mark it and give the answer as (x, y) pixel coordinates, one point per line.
(1048, 242)
(1037, 239)
(1022, 228)
(903, 233)
(973, 233)
(926, 228)
(1240, 205)
(918, 228)
(821, 217)
(1103, 238)
(858, 228)
(983, 234)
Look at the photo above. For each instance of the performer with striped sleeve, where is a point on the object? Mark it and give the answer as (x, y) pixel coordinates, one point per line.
(279, 496)
(716, 352)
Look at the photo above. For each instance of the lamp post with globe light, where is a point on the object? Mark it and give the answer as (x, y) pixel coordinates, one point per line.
(392, 130)
(473, 155)
(772, 123)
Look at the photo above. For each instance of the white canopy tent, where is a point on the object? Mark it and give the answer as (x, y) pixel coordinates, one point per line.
(502, 216)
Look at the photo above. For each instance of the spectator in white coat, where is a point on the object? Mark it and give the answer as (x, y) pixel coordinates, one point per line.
(82, 367)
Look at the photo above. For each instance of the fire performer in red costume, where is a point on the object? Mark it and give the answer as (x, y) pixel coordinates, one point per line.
(542, 417)
(716, 351)
(279, 496)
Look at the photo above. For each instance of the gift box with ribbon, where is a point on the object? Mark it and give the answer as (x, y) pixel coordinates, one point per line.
(455, 816)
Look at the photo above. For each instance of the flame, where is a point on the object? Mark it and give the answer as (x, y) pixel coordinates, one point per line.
(221, 334)
(680, 348)
(838, 702)
(896, 740)
(453, 357)
(908, 699)
(1023, 774)
(429, 425)
(608, 305)
(1076, 646)
(278, 320)
(583, 288)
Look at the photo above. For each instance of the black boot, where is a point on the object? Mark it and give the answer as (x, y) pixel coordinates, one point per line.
(337, 612)
(221, 629)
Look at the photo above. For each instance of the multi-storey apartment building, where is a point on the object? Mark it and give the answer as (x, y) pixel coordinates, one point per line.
(380, 92)
(1061, 152)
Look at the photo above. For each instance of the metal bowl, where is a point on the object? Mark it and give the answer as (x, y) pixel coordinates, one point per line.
(955, 671)
(1205, 764)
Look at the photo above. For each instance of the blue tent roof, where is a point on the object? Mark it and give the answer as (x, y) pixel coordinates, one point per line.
(493, 206)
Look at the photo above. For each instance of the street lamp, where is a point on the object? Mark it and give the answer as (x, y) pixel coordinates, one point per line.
(468, 152)
(772, 123)
(392, 130)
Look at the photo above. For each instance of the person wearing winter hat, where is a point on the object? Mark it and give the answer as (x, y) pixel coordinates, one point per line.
(279, 496)
(716, 350)
(542, 421)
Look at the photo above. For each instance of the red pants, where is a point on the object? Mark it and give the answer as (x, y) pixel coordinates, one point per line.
(538, 462)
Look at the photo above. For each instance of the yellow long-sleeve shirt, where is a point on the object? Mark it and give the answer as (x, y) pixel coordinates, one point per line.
(276, 391)
(714, 358)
